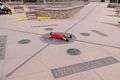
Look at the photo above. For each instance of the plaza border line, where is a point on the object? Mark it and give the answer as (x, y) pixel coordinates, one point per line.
(18, 67)
(97, 44)
(19, 31)
(83, 18)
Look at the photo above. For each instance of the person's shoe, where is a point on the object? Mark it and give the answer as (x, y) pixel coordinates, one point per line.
(50, 33)
(67, 40)
(70, 35)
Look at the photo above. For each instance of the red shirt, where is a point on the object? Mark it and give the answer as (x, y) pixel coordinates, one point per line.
(58, 36)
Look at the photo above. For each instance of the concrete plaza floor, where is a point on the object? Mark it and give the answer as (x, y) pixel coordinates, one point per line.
(97, 35)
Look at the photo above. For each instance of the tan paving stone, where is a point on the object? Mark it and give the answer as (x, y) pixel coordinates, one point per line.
(14, 49)
(112, 51)
(94, 16)
(31, 67)
(55, 56)
(61, 58)
(36, 76)
(109, 72)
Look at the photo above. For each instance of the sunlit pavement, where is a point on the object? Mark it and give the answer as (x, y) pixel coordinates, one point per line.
(95, 52)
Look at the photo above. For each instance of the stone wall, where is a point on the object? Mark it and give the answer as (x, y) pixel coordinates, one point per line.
(59, 13)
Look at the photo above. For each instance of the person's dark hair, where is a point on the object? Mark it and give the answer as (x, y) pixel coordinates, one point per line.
(0, 3)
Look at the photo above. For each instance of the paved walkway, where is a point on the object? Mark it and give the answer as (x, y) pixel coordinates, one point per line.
(97, 47)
